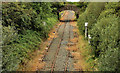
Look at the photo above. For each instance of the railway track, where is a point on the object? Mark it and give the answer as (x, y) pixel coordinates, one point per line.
(52, 40)
(56, 46)
(53, 63)
(57, 51)
(50, 43)
(67, 53)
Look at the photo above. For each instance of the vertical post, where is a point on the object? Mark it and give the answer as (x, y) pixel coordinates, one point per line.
(86, 24)
(89, 37)
(44, 23)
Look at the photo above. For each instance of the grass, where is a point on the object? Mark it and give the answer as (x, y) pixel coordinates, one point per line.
(36, 57)
(85, 51)
(81, 51)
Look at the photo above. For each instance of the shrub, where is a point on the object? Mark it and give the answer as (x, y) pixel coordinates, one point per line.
(17, 50)
(103, 34)
(106, 13)
(81, 22)
(23, 30)
(90, 15)
(26, 16)
(103, 28)
(109, 60)
(115, 6)
(15, 15)
(8, 36)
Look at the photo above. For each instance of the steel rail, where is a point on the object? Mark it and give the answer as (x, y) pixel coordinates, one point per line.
(57, 51)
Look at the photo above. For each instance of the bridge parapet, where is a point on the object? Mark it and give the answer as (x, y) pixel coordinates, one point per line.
(70, 7)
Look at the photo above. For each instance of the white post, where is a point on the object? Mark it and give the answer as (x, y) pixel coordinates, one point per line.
(89, 37)
(86, 24)
(44, 23)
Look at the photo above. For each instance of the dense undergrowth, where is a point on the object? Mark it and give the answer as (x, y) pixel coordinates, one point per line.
(25, 25)
(103, 26)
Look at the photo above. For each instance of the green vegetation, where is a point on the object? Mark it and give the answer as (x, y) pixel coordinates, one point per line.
(103, 22)
(61, 13)
(25, 25)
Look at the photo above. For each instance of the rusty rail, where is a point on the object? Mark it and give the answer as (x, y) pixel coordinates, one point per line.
(53, 63)
(66, 64)
(50, 43)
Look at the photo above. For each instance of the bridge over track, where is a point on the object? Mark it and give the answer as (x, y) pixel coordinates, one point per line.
(70, 7)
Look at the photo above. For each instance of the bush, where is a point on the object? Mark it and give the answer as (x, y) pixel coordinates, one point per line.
(106, 13)
(90, 15)
(103, 34)
(109, 60)
(15, 51)
(23, 30)
(81, 22)
(115, 6)
(8, 35)
(103, 19)
(26, 16)
(15, 15)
